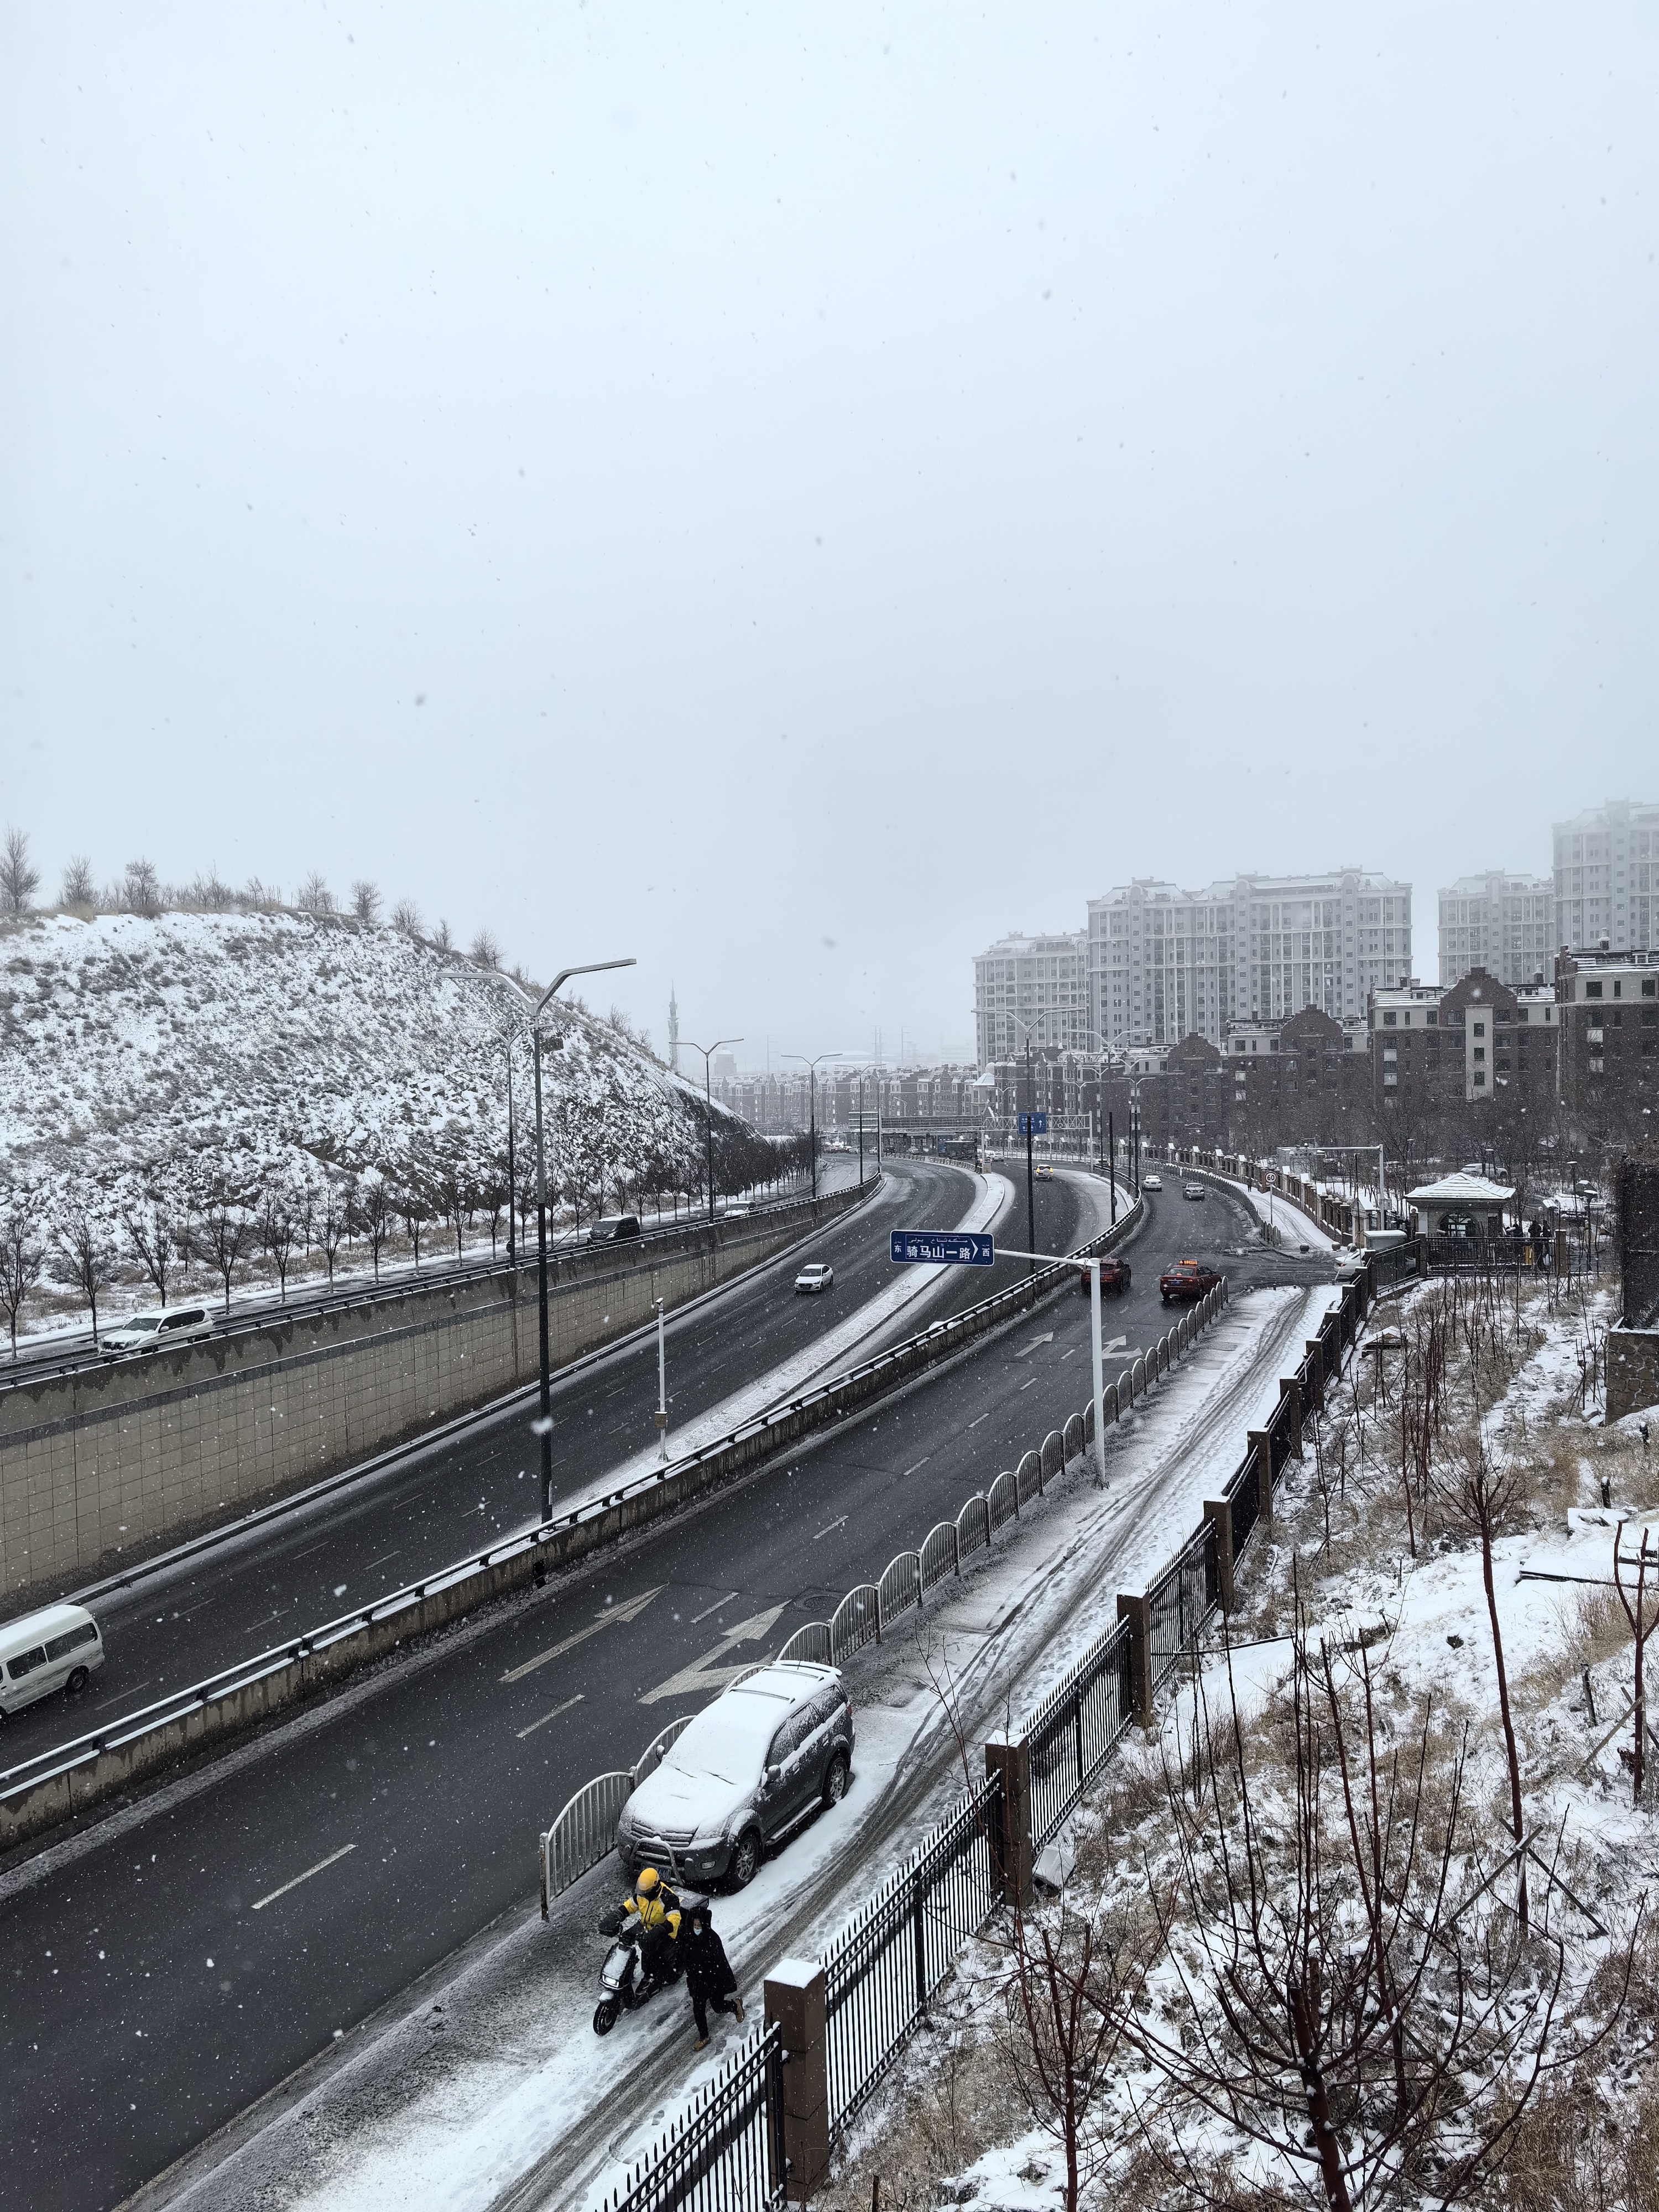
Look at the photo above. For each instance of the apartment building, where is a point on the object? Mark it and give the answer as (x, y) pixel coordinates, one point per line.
(1607, 876)
(1499, 922)
(1164, 963)
(1476, 1040)
(1607, 1007)
(1034, 988)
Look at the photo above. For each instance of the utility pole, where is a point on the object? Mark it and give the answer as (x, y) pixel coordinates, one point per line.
(860, 1132)
(1030, 1173)
(662, 1387)
(709, 1052)
(512, 1174)
(1111, 1171)
(544, 1421)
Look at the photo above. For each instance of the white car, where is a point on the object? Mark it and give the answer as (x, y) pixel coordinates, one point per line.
(815, 1275)
(1192, 1190)
(57, 1649)
(1151, 1183)
(158, 1331)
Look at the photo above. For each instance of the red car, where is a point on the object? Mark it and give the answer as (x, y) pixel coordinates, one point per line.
(1114, 1276)
(1186, 1280)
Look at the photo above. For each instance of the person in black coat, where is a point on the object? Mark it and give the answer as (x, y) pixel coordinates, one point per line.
(708, 1975)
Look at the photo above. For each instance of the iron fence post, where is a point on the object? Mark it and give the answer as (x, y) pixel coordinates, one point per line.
(1011, 1855)
(1291, 1389)
(1261, 1444)
(795, 2006)
(1135, 1610)
(1219, 1512)
(1077, 1727)
(918, 1938)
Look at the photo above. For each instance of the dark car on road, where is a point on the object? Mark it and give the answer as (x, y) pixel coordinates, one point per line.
(614, 1228)
(1188, 1279)
(1114, 1276)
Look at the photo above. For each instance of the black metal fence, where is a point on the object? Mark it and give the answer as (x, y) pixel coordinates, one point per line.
(1074, 1731)
(885, 1965)
(1180, 1603)
(725, 2152)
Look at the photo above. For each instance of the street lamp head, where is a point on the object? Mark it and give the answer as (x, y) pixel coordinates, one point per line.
(590, 968)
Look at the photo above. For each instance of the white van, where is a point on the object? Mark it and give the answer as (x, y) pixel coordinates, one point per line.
(155, 1332)
(57, 1648)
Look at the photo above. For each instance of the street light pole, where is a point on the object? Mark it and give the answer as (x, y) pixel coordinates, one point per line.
(544, 1420)
(709, 1052)
(512, 1160)
(812, 1067)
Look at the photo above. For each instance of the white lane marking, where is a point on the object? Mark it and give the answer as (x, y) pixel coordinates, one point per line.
(705, 1674)
(977, 1419)
(553, 1716)
(1047, 1337)
(839, 1524)
(715, 1607)
(1069, 1349)
(384, 1556)
(121, 1696)
(260, 1903)
(920, 1463)
(1032, 1385)
(635, 1607)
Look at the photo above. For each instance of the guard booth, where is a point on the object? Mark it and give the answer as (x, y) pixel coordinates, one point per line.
(1460, 1209)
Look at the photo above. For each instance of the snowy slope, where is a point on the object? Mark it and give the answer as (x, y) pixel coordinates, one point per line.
(176, 1051)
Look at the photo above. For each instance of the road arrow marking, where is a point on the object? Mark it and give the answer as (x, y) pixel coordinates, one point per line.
(1115, 1344)
(707, 1674)
(631, 1611)
(1047, 1337)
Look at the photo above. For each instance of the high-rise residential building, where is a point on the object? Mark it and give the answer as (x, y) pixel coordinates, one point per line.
(1501, 922)
(1035, 989)
(1606, 879)
(1165, 964)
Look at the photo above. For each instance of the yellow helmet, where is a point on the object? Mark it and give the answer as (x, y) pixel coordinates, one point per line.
(647, 1881)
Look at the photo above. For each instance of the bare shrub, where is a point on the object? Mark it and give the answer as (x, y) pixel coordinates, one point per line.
(141, 889)
(406, 917)
(365, 900)
(18, 881)
(315, 896)
(80, 886)
(486, 953)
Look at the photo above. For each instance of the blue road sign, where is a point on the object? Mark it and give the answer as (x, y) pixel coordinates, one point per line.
(941, 1249)
(1034, 1125)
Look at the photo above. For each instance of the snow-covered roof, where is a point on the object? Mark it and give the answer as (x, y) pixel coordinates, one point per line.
(1461, 1190)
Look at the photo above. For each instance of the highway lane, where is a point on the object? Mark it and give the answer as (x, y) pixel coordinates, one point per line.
(357, 1543)
(354, 1849)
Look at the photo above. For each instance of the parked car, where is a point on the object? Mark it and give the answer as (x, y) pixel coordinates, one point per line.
(58, 1648)
(817, 1275)
(1151, 1183)
(1114, 1276)
(1192, 1190)
(751, 1769)
(157, 1331)
(1186, 1280)
(612, 1228)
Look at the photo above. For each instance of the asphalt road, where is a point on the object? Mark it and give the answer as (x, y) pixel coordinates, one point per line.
(355, 1544)
(163, 1973)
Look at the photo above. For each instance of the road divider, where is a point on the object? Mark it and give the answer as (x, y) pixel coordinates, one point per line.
(39, 1793)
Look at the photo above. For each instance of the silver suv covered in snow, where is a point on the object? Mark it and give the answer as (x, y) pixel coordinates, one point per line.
(750, 1768)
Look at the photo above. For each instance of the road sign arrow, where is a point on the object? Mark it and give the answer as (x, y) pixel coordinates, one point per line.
(612, 1613)
(1047, 1337)
(707, 1674)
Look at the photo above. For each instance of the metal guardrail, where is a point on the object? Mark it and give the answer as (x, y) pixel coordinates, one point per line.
(586, 1829)
(182, 1719)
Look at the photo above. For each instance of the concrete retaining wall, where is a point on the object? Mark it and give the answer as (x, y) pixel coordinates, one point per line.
(110, 1461)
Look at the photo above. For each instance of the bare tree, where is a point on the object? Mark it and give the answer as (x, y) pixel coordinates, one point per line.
(1482, 1496)
(1642, 1626)
(149, 1231)
(416, 1211)
(1067, 2013)
(80, 887)
(442, 937)
(1337, 2005)
(486, 953)
(226, 1233)
(315, 896)
(18, 881)
(333, 1223)
(277, 1230)
(85, 1258)
(365, 900)
(22, 1257)
(494, 1191)
(406, 917)
(141, 891)
(372, 1208)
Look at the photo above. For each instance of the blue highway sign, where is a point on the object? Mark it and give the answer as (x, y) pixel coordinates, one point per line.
(942, 1249)
(1034, 1125)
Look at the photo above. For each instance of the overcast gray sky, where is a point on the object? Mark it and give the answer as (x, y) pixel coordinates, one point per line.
(792, 493)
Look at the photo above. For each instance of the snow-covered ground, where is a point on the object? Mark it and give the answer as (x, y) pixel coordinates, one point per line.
(147, 1063)
(1413, 1598)
(495, 2074)
(1295, 1227)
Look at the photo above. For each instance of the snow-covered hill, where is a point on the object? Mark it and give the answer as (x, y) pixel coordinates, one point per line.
(167, 1060)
